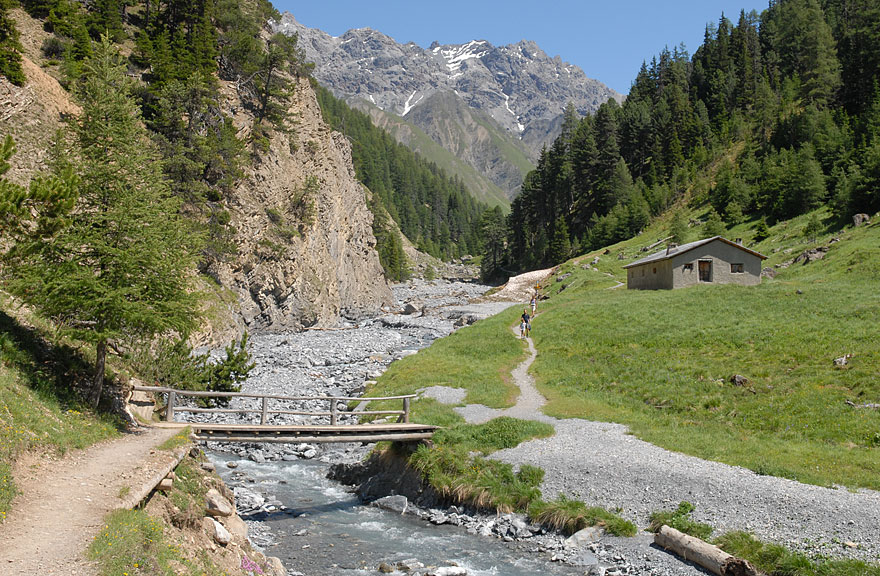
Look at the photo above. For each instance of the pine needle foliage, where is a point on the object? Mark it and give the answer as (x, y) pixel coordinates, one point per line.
(115, 264)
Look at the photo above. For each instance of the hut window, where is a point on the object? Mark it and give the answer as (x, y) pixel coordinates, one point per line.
(736, 268)
(689, 267)
(655, 270)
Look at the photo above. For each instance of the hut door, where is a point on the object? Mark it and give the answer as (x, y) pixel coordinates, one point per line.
(705, 270)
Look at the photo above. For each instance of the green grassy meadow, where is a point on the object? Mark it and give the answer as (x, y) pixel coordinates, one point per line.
(661, 361)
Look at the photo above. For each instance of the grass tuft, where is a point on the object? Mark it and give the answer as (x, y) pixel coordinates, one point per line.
(182, 438)
(680, 519)
(486, 484)
(497, 434)
(569, 516)
(775, 560)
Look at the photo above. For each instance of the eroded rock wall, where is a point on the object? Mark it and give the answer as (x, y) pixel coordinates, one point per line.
(292, 271)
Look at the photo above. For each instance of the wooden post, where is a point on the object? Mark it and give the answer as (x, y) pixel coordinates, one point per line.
(263, 415)
(333, 411)
(169, 410)
(406, 410)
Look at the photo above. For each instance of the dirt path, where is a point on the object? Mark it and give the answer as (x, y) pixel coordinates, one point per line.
(528, 404)
(63, 501)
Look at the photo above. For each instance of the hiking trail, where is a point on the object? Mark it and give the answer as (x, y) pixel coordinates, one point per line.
(62, 501)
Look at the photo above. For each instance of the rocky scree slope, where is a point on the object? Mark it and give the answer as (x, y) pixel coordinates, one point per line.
(518, 86)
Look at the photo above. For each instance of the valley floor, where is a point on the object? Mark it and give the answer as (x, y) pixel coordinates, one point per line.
(603, 465)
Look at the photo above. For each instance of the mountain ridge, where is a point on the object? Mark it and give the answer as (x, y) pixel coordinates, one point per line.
(522, 89)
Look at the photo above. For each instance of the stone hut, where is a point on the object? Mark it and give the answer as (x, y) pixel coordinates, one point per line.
(714, 260)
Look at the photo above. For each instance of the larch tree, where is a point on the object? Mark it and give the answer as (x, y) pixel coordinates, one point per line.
(117, 265)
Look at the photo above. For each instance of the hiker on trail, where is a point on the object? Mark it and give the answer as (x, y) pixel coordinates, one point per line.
(534, 303)
(525, 326)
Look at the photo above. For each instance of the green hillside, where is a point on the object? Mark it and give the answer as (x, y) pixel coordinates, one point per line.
(774, 115)
(415, 139)
(435, 211)
(661, 361)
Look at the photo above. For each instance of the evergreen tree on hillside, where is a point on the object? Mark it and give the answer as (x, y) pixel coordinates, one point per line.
(436, 212)
(117, 264)
(10, 58)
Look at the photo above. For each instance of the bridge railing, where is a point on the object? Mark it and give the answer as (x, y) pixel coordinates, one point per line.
(264, 410)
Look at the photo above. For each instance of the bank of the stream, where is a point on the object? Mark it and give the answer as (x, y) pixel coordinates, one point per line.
(314, 524)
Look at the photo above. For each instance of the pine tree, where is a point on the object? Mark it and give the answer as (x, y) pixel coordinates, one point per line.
(10, 58)
(714, 226)
(678, 229)
(560, 244)
(120, 266)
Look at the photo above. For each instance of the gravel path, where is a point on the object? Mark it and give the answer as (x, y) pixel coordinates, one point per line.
(63, 501)
(603, 465)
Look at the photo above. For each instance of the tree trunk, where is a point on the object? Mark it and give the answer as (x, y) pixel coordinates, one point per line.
(98, 379)
(710, 557)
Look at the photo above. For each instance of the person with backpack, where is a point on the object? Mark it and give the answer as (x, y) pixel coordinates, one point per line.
(525, 324)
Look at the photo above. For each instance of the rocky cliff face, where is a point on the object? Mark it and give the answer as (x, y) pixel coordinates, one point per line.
(518, 86)
(296, 271)
(286, 272)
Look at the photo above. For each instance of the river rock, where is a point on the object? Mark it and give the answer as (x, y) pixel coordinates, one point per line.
(448, 571)
(583, 538)
(397, 504)
(217, 505)
(386, 568)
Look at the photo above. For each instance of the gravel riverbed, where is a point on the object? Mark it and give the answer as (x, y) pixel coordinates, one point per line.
(598, 463)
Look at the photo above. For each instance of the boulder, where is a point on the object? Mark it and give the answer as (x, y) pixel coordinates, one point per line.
(386, 568)
(236, 527)
(768, 273)
(842, 361)
(274, 566)
(811, 255)
(583, 538)
(397, 504)
(216, 531)
(740, 380)
(860, 219)
(216, 505)
(585, 559)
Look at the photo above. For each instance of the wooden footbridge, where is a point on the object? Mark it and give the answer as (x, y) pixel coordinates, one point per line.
(329, 426)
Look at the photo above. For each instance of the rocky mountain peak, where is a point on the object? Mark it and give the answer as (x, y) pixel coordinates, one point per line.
(518, 85)
(492, 107)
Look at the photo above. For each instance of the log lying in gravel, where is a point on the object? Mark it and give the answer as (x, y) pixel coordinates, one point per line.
(710, 557)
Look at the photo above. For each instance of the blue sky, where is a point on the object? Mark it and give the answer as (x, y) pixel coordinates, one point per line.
(608, 40)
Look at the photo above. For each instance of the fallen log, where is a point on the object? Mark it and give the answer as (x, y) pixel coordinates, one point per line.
(710, 557)
(657, 243)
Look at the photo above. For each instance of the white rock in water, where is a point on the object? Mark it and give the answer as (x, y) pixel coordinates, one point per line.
(449, 571)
